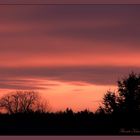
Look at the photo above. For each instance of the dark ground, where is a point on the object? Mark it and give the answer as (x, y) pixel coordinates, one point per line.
(68, 123)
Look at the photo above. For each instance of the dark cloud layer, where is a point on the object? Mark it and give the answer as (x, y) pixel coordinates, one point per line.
(93, 75)
(16, 84)
(95, 23)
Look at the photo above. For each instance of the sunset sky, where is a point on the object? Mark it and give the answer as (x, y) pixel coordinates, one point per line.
(71, 54)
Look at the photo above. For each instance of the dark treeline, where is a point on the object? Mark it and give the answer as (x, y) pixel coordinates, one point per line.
(119, 114)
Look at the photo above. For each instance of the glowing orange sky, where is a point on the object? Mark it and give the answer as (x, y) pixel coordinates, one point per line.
(71, 54)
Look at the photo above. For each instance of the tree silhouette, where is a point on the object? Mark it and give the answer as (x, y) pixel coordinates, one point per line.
(128, 99)
(110, 102)
(21, 101)
(129, 92)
